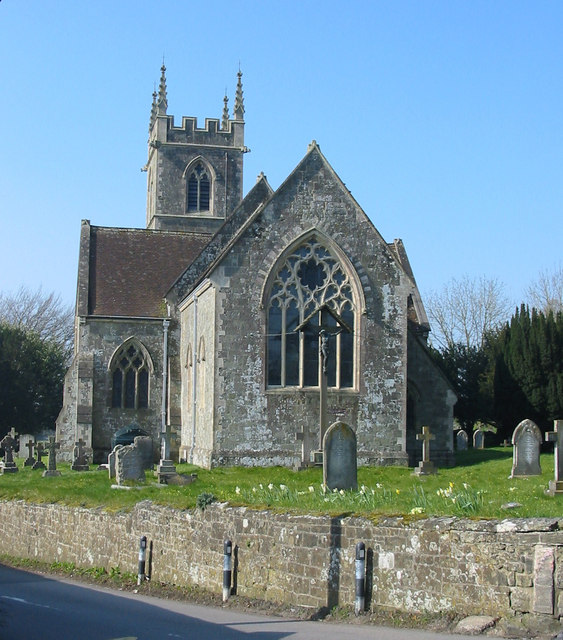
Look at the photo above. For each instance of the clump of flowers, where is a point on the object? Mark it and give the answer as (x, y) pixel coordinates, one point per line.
(465, 499)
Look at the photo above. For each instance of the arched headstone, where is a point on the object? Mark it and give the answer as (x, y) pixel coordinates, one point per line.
(527, 440)
(478, 439)
(340, 464)
(461, 440)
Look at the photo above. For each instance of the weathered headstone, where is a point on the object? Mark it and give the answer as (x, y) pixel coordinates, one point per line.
(30, 460)
(425, 466)
(9, 443)
(478, 439)
(145, 445)
(39, 452)
(129, 463)
(461, 440)
(24, 440)
(51, 448)
(112, 458)
(340, 457)
(527, 440)
(80, 458)
(556, 436)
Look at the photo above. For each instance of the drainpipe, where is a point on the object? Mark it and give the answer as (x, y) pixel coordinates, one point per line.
(194, 382)
(166, 445)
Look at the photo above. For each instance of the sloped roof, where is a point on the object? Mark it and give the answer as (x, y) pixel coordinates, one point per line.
(130, 270)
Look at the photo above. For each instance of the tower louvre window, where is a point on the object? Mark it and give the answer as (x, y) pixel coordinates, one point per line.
(198, 189)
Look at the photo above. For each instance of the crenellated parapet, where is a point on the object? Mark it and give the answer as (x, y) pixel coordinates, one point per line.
(213, 133)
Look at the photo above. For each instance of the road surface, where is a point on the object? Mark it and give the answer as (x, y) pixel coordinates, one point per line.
(50, 608)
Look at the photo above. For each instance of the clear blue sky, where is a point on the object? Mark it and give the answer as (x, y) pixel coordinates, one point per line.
(444, 119)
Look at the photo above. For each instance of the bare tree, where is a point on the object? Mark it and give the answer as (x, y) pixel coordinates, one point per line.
(41, 312)
(465, 310)
(546, 292)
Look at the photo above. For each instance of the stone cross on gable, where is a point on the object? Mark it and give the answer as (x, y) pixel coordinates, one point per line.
(8, 443)
(425, 466)
(51, 447)
(556, 436)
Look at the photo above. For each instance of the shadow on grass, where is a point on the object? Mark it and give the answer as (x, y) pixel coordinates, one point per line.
(477, 456)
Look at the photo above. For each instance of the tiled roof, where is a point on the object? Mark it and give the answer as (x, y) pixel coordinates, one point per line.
(130, 270)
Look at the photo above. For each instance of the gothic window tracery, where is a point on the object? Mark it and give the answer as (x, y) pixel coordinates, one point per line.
(308, 279)
(130, 369)
(198, 189)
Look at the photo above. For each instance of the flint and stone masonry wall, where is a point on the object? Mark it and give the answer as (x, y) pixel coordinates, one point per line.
(433, 565)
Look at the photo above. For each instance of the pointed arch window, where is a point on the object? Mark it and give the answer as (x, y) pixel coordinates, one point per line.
(308, 279)
(130, 369)
(198, 189)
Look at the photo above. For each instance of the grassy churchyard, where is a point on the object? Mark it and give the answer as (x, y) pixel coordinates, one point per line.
(478, 487)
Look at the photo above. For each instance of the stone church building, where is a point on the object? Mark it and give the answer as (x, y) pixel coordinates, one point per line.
(208, 320)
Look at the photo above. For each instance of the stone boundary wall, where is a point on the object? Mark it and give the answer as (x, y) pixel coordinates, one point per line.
(433, 565)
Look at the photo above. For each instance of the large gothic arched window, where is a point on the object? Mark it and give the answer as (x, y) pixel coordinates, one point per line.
(310, 279)
(198, 189)
(129, 369)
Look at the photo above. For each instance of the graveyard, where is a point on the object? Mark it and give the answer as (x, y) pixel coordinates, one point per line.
(479, 486)
(485, 533)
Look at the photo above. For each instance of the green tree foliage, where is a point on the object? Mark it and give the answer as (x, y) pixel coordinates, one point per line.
(528, 373)
(467, 367)
(31, 380)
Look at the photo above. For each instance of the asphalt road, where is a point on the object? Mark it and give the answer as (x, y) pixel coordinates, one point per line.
(48, 608)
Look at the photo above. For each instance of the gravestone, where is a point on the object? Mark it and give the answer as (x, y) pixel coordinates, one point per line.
(166, 468)
(51, 448)
(425, 466)
(556, 436)
(80, 458)
(340, 464)
(478, 439)
(39, 452)
(25, 439)
(30, 460)
(526, 440)
(145, 445)
(112, 457)
(461, 440)
(9, 443)
(129, 462)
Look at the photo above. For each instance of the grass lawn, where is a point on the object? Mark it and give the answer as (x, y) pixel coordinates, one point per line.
(477, 487)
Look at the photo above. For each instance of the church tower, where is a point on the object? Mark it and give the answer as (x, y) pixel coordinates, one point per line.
(194, 176)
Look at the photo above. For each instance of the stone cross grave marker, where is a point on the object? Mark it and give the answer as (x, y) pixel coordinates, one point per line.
(340, 463)
(39, 452)
(461, 440)
(526, 453)
(425, 466)
(556, 436)
(51, 448)
(80, 458)
(166, 467)
(478, 439)
(9, 443)
(30, 460)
